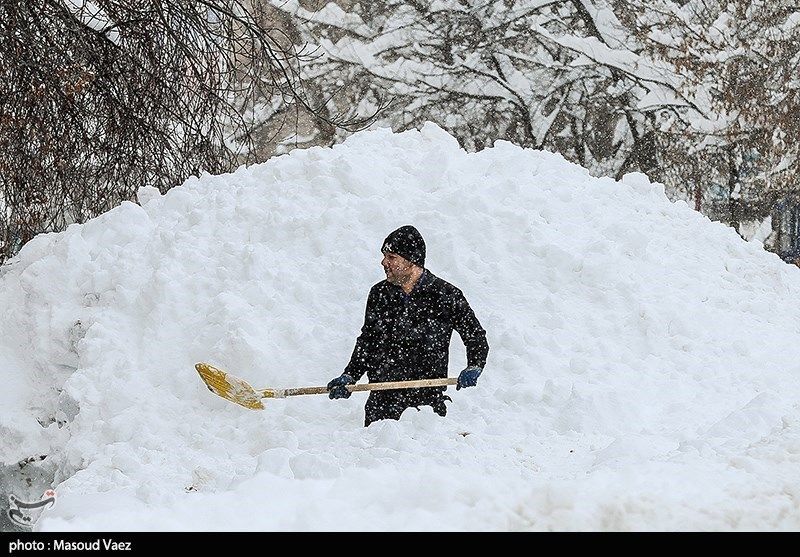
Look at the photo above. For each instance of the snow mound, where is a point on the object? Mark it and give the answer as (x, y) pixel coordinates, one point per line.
(644, 370)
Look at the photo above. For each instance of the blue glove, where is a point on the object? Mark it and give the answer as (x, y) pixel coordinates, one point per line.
(337, 388)
(468, 377)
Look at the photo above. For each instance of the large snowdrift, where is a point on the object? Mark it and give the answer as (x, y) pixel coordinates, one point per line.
(644, 370)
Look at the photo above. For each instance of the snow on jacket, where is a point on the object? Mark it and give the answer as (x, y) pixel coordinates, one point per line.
(407, 336)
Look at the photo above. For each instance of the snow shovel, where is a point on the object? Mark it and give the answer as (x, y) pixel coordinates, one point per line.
(239, 391)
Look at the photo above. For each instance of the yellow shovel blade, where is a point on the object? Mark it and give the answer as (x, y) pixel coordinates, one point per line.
(230, 387)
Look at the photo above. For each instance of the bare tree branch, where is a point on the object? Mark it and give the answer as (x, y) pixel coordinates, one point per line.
(98, 99)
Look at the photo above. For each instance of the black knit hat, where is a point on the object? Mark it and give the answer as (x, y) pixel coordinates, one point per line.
(406, 242)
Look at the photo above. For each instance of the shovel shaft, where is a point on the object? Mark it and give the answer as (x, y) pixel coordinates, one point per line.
(420, 383)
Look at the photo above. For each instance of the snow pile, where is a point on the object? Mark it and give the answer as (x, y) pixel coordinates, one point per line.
(644, 370)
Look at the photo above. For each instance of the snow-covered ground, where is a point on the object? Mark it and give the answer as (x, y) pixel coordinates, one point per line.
(644, 371)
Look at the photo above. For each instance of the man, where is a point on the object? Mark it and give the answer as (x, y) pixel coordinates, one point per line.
(409, 320)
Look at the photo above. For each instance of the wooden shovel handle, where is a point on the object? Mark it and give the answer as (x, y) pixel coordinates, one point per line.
(374, 386)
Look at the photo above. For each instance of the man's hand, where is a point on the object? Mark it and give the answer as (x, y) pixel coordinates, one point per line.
(337, 387)
(468, 377)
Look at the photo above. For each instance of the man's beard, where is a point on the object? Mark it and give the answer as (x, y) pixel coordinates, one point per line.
(398, 278)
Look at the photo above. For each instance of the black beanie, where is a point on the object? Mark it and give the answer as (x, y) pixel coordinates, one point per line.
(406, 242)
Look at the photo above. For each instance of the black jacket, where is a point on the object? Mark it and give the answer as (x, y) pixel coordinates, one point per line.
(407, 337)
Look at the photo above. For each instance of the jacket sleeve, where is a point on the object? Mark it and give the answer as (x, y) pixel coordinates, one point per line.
(368, 351)
(469, 329)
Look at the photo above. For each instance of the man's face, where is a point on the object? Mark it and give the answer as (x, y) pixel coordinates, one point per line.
(397, 269)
